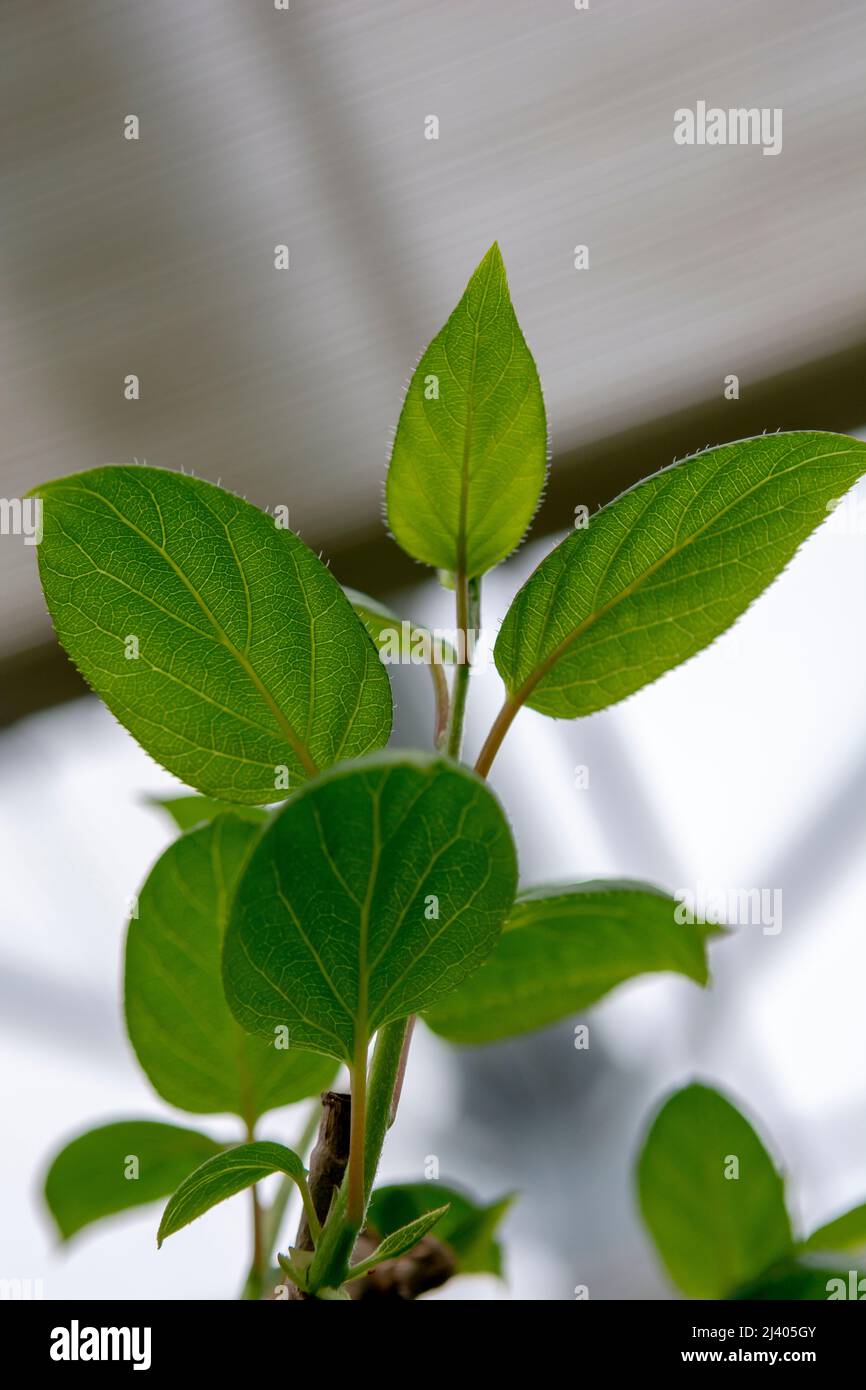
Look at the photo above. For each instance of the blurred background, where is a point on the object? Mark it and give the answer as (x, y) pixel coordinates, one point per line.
(745, 768)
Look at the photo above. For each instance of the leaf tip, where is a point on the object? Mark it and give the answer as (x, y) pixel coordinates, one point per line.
(493, 257)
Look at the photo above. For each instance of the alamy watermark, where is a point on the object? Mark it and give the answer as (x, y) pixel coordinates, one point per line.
(407, 645)
(21, 1290)
(77, 1343)
(740, 125)
(21, 516)
(854, 1288)
(734, 907)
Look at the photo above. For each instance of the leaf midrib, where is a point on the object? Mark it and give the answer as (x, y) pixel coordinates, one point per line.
(362, 1016)
(467, 437)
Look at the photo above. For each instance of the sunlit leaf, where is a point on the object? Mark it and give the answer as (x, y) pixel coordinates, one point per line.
(376, 890)
(470, 452)
(215, 636)
(663, 570)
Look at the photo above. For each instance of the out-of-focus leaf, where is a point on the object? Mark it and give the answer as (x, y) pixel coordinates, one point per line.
(189, 811)
(562, 949)
(395, 636)
(118, 1166)
(183, 1032)
(711, 1196)
(803, 1280)
(468, 1227)
(846, 1232)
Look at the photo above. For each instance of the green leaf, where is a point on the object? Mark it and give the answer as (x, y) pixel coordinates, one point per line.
(801, 1280)
(564, 948)
(713, 1232)
(398, 1242)
(376, 890)
(468, 467)
(184, 1035)
(252, 672)
(467, 1226)
(667, 567)
(399, 636)
(190, 811)
(846, 1232)
(223, 1176)
(119, 1166)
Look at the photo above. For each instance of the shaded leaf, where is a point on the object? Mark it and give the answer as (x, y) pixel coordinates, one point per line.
(374, 892)
(183, 1032)
(562, 949)
(663, 570)
(470, 452)
(467, 1226)
(223, 1176)
(246, 659)
(713, 1232)
(119, 1166)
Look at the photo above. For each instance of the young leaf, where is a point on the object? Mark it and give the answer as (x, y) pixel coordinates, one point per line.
(564, 948)
(398, 1242)
(223, 1176)
(846, 1232)
(376, 890)
(667, 567)
(711, 1196)
(190, 811)
(217, 638)
(467, 1226)
(119, 1166)
(470, 452)
(183, 1033)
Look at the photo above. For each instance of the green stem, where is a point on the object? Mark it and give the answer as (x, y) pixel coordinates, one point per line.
(401, 1068)
(357, 1201)
(256, 1276)
(387, 1057)
(334, 1250)
(468, 596)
